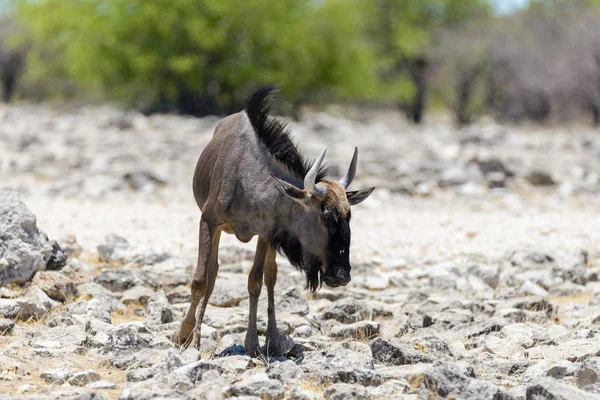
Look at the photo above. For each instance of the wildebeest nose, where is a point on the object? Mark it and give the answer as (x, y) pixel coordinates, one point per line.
(343, 277)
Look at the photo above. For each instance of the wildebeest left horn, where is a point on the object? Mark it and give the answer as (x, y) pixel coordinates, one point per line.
(311, 176)
(347, 179)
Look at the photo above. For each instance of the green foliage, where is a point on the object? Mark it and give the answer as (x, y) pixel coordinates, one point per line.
(207, 55)
(404, 30)
(144, 52)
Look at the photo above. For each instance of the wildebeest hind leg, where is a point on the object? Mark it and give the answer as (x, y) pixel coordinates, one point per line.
(255, 281)
(273, 347)
(202, 285)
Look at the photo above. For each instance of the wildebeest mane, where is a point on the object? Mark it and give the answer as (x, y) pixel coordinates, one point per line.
(288, 244)
(275, 135)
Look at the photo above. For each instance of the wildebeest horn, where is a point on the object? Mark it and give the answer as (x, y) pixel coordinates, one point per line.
(347, 179)
(311, 176)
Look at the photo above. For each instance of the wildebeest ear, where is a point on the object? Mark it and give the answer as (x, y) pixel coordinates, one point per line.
(288, 189)
(358, 196)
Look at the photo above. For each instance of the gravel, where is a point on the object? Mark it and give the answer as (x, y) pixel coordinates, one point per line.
(475, 265)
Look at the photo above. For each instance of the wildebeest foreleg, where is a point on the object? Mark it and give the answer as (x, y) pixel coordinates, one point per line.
(255, 281)
(273, 347)
(203, 282)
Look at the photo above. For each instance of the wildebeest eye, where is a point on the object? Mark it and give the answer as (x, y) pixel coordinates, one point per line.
(332, 229)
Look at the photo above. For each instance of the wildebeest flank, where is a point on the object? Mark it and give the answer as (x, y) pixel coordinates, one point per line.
(252, 180)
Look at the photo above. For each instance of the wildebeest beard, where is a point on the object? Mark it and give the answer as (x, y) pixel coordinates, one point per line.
(288, 244)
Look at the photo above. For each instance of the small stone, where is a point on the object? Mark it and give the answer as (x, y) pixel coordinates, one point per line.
(84, 378)
(159, 310)
(346, 391)
(55, 284)
(142, 180)
(520, 334)
(153, 390)
(179, 294)
(140, 374)
(304, 331)
(593, 388)
(56, 376)
(6, 293)
(451, 318)
(338, 364)
(6, 326)
(392, 389)
(96, 291)
(60, 320)
(183, 378)
(573, 350)
(38, 296)
(530, 303)
(119, 279)
(235, 364)
(539, 178)
(300, 394)
(70, 246)
(24, 250)
(286, 371)
(234, 255)
(556, 369)
(97, 309)
(530, 288)
(502, 348)
(137, 295)
(21, 309)
(258, 385)
(117, 249)
(449, 381)
(126, 337)
(344, 311)
(431, 345)
(77, 272)
(228, 292)
(209, 375)
(483, 327)
(548, 388)
(589, 372)
(26, 389)
(375, 282)
(362, 330)
(396, 353)
(101, 385)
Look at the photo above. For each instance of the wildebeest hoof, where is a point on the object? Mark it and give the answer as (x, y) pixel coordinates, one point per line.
(195, 342)
(179, 338)
(253, 351)
(273, 348)
(251, 346)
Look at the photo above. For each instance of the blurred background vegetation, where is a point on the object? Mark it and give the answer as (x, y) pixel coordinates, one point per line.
(516, 60)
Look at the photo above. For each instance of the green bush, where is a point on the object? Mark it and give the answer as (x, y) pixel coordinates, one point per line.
(198, 56)
(206, 56)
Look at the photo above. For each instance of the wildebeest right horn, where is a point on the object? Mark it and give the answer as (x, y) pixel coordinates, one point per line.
(311, 176)
(347, 179)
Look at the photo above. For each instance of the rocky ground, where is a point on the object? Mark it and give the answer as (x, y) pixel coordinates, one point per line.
(476, 264)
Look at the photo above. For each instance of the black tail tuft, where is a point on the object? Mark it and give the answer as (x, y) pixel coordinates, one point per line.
(275, 135)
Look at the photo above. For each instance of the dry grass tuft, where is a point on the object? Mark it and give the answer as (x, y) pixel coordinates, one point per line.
(133, 312)
(33, 366)
(419, 346)
(315, 386)
(580, 298)
(415, 381)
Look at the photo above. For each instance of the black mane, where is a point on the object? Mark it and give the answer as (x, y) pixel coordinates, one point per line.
(288, 244)
(275, 135)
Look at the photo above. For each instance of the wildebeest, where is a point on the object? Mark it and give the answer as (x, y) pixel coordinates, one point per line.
(252, 180)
